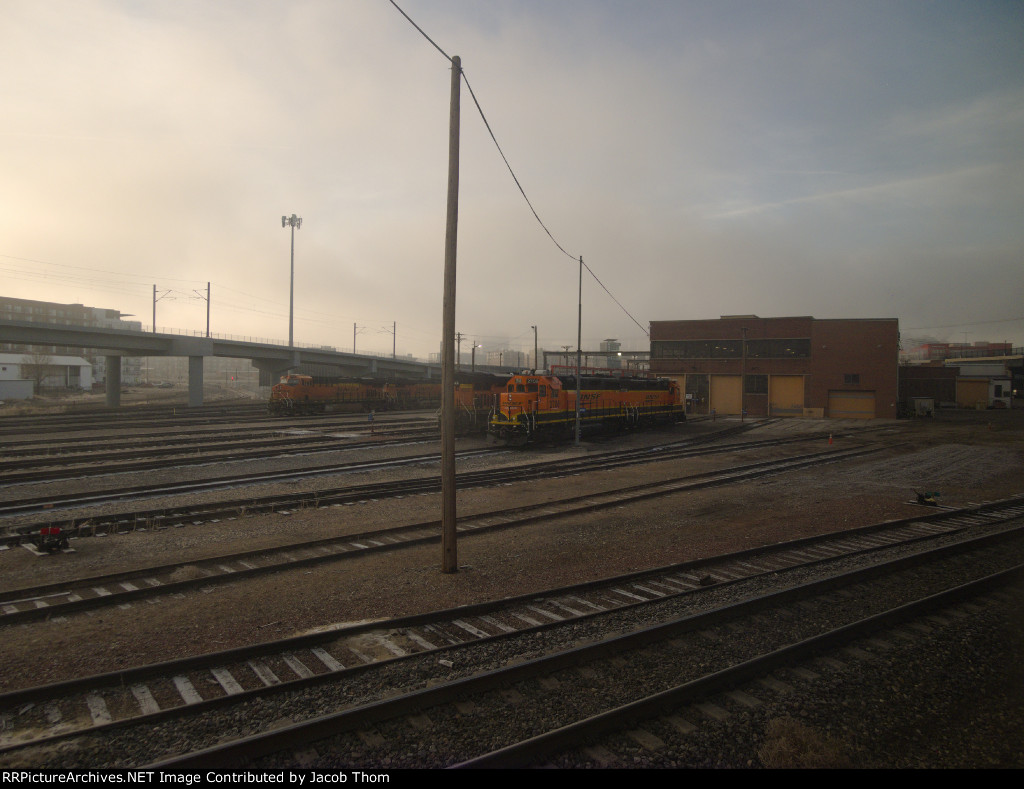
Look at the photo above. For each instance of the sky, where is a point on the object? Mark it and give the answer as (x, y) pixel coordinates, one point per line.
(768, 157)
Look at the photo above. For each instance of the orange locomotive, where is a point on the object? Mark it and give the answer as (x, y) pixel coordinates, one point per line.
(303, 394)
(542, 405)
(475, 394)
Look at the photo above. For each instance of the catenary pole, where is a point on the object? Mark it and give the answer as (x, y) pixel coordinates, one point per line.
(449, 547)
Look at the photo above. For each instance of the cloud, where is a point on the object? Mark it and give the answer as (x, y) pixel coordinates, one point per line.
(704, 159)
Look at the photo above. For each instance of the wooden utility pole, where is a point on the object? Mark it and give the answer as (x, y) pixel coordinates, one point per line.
(449, 547)
(743, 376)
(579, 351)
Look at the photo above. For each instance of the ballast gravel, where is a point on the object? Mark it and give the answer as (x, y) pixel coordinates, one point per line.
(986, 464)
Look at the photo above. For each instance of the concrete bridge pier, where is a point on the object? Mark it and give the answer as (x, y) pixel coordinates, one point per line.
(271, 370)
(195, 381)
(113, 372)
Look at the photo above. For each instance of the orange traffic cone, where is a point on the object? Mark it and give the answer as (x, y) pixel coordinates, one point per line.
(830, 439)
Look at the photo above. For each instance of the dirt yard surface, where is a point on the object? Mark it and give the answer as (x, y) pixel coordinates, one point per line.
(967, 458)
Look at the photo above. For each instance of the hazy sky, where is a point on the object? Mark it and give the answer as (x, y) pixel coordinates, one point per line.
(836, 159)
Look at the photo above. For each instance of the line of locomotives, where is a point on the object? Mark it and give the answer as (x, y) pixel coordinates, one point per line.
(527, 407)
(305, 394)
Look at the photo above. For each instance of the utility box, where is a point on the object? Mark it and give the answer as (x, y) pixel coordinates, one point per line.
(16, 389)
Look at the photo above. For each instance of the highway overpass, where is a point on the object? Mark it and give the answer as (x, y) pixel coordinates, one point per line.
(270, 360)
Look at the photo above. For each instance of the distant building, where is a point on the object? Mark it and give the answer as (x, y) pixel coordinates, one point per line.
(985, 383)
(72, 315)
(987, 374)
(46, 371)
(934, 384)
(939, 351)
(799, 366)
(611, 347)
(508, 358)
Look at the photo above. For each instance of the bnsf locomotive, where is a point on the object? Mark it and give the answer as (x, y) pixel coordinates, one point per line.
(542, 406)
(304, 394)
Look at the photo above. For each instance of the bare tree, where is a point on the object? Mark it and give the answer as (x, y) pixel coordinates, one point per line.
(36, 366)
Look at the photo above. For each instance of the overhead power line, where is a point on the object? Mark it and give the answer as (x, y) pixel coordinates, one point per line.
(447, 57)
(509, 166)
(522, 191)
(616, 300)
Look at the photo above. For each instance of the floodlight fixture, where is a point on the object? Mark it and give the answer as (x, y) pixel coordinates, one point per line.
(295, 222)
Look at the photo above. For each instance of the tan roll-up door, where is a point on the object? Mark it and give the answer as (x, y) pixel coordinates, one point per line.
(726, 394)
(851, 405)
(971, 394)
(787, 395)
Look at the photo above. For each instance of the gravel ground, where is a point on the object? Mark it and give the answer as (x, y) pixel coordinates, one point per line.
(967, 458)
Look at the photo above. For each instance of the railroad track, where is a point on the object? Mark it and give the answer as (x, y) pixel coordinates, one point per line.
(183, 513)
(547, 712)
(777, 592)
(42, 469)
(94, 419)
(69, 448)
(58, 599)
(610, 737)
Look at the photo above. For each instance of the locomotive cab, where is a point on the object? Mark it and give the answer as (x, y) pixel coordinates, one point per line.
(527, 400)
(529, 394)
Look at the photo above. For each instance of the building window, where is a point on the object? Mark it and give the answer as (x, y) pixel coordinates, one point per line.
(793, 348)
(755, 384)
(696, 349)
(851, 379)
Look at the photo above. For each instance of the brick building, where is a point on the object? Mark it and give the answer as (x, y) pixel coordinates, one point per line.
(799, 366)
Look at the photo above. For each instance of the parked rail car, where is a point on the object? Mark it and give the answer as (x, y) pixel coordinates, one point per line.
(303, 394)
(475, 395)
(541, 406)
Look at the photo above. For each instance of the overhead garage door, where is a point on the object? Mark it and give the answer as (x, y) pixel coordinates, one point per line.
(851, 405)
(726, 394)
(787, 395)
(971, 394)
